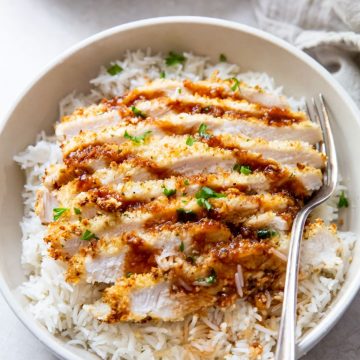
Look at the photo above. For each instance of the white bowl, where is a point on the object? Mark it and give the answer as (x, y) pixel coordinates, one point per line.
(37, 110)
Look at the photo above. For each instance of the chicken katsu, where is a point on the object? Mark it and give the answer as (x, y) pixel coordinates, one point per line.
(179, 196)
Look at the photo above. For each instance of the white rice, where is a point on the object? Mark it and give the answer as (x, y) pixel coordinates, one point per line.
(229, 334)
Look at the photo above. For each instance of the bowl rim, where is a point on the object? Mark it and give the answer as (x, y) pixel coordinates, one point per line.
(61, 350)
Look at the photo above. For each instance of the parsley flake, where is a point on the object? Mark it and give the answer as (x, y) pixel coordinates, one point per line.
(77, 211)
(207, 193)
(186, 182)
(343, 200)
(204, 194)
(236, 84)
(182, 247)
(138, 112)
(169, 192)
(204, 203)
(190, 140)
(242, 169)
(129, 274)
(88, 235)
(223, 58)
(137, 139)
(174, 58)
(203, 131)
(211, 279)
(58, 212)
(266, 233)
(162, 75)
(114, 69)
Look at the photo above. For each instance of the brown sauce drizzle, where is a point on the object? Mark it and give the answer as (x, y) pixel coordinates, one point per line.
(108, 153)
(272, 116)
(211, 92)
(135, 95)
(139, 259)
(86, 182)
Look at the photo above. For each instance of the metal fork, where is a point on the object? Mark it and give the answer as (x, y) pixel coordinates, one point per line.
(286, 344)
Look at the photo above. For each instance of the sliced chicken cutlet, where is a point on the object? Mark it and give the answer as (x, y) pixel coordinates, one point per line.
(301, 181)
(147, 296)
(226, 97)
(139, 250)
(124, 195)
(284, 152)
(185, 123)
(189, 249)
(179, 196)
(103, 170)
(130, 192)
(170, 107)
(211, 283)
(68, 235)
(213, 88)
(237, 266)
(172, 156)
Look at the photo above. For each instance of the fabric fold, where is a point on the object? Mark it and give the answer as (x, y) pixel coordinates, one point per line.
(326, 30)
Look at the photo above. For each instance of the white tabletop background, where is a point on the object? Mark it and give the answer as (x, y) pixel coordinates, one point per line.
(32, 33)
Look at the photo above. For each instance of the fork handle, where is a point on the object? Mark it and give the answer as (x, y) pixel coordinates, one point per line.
(286, 343)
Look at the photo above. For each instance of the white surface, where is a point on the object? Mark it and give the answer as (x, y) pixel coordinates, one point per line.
(32, 32)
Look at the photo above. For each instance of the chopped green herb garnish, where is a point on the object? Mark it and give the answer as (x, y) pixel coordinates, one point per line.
(207, 193)
(204, 203)
(211, 279)
(77, 211)
(223, 58)
(203, 131)
(174, 58)
(343, 200)
(129, 274)
(162, 75)
(266, 233)
(182, 247)
(114, 69)
(186, 182)
(137, 139)
(186, 215)
(169, 192)
(179, 90)
(190, 140)
(204, 194)
(242, 169)
(58, 212)
(88, 235)
(235, 85)
(138, 112)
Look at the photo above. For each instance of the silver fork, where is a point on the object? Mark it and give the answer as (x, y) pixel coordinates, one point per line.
(286, 344)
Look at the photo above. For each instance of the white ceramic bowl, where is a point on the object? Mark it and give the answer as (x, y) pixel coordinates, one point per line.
(37, 110)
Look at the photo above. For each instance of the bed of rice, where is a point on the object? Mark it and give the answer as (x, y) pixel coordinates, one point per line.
(237, 333)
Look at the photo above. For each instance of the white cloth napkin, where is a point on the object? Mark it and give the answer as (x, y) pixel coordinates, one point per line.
(328, 30)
